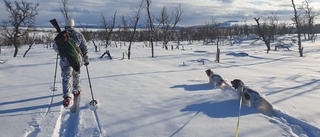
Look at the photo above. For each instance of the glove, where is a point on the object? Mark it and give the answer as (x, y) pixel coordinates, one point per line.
(86, 60)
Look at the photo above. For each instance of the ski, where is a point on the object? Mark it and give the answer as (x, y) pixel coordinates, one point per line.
(76, 101)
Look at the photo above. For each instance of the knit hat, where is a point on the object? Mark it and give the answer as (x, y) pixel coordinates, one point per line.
(69, 23)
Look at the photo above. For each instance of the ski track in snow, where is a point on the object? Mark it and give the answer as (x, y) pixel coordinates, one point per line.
(96, 117)
(69, 123)
(90, 114)
(72, 124)
(293, 126)
(56, 130)
(39, 121)
(66, 124)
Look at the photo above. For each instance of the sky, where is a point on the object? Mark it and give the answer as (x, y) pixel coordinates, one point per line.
(195, 12)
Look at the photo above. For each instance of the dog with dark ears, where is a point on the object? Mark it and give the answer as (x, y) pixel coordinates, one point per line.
(252, 98)
(218, 82)
(214, 79)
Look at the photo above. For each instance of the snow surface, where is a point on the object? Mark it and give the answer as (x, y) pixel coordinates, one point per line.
(167, 95)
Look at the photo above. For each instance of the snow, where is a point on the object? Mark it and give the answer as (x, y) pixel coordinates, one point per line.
(168, 95)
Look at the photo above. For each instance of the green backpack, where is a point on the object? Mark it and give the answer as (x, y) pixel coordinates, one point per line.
(67, 48)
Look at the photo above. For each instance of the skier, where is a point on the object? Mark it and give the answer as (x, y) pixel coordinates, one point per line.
(66, 70)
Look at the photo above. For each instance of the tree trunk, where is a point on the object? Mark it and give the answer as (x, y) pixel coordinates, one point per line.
(298, 29)
(218, 55)
(129, 50)
(95, 46)
(16, 49)
(24, 55)
(108, 53)
(151, 29)
(266, 42)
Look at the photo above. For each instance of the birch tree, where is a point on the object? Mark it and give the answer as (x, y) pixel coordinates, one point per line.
(134, 23)
(296, 20)
(21, 14)
(169, 23)
(108, 26)
(150, 27)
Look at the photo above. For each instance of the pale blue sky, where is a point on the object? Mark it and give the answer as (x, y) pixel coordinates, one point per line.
(195, 12)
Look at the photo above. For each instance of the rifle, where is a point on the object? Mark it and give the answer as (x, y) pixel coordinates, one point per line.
(55, 25)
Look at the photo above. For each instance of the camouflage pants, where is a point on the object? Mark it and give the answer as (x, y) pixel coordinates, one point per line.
(66, 73)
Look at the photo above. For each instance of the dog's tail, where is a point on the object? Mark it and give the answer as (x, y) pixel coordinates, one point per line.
(266, 107)
(226, 87)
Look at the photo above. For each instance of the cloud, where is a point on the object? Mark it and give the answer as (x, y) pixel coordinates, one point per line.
(195, 12)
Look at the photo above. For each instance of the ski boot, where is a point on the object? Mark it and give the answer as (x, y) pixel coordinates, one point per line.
(66, 101)
(76, 93)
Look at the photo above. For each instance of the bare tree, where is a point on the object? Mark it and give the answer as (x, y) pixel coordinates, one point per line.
(30, 40)
(267, 30)
(309, 16)
(245, 26)
(134, 23)
(86, 32)
(108, 27)
(217, 33)
(64, 9)
(125, 29)
(150, 27)
(296, 20)
(283, 28)
(21, 14)
(168, 23)
(1, 43)
(213, 32)
(48, 39)
(96, 47)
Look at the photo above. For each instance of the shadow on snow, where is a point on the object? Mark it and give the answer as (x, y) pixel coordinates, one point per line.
(223, 109)
(30, 107)
(195, 87)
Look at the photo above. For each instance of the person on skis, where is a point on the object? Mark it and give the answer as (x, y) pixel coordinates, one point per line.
(67, 72)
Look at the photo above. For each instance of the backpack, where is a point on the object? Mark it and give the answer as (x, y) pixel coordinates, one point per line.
(67, 48)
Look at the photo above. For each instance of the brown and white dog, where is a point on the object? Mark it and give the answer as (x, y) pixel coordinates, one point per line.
(214, 79)
(252, 98)
(218, 82)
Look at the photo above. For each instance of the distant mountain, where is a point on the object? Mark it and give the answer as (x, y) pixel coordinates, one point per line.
(143, 26)
(223, 24)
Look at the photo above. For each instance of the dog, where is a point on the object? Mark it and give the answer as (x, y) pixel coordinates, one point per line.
(214, 79)
(218, 82)
(252, 98)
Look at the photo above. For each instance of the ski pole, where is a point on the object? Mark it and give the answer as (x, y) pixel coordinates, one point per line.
(55, 74)
(93, 102)
(56, 25)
